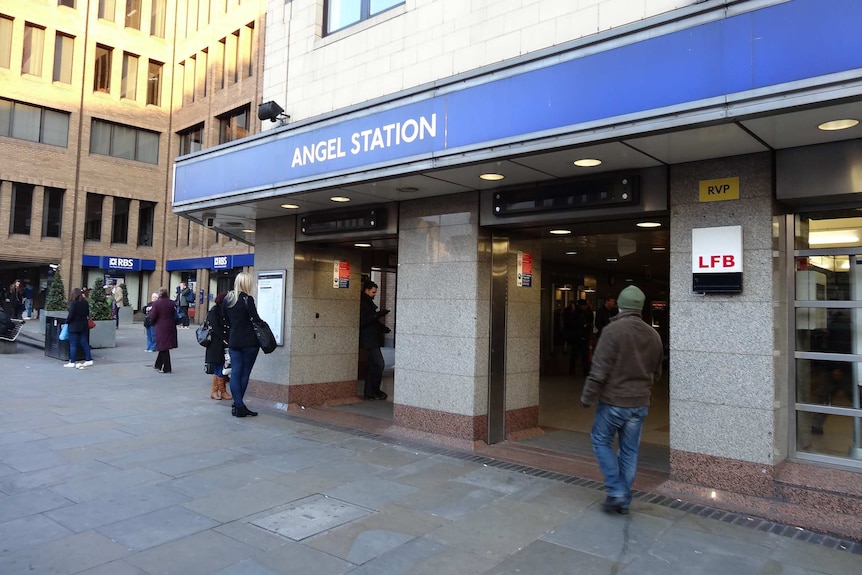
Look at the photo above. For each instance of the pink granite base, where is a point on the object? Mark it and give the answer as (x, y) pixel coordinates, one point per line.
(518, 420)
(305, 395)
(472, 428)
(721, 473)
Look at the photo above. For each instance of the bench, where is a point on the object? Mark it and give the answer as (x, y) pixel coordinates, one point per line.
(8, 340)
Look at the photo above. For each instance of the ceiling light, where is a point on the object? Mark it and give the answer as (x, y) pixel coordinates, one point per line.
(658, 248)
(362, 245)
(838, 124)
(290, 206)
(833, 237)
(587, 163)
(611, 259)
(571, 253)
(560, 232)
(407, 190)
(339, 199)
(248, 231)
(491, 177)
(649, 224)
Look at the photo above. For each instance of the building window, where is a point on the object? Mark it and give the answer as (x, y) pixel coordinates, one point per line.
(93, 217)
(22, 208)
(63, 58)
(5, 42)
(34, 46)
(102, 76)
(191, 17)
(828, 326)
(221, 64)
(69, 3)
(146, 219)
(154, 83)
(191, 140)
(120, 224)
(52, 213)
(157, 18)
(119, 141)
(235, 58)
(189, 80)
(107, 9)
(203, 73)
(343, 13)
(34, 123)
(133, 14)
(233, 125)
(248, 50)
(129, 80)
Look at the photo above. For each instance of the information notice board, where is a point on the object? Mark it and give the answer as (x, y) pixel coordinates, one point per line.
(270, 300)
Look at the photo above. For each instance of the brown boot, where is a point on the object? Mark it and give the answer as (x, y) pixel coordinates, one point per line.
(222, 382)
(214, 393)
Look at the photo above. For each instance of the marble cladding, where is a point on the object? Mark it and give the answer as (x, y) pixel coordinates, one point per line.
(457, 394)
(734, 432)
(522, 389)
(462, 356)
(523, 331)
(441, 423)
(458, 281)
(464, 319)
(723, 346)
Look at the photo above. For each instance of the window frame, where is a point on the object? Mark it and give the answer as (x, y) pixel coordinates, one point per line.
(64, 57)
(93, 217)
(120, 220)
(365, 13)
(52, 212)
(129, 77)
(146, 223)
(9, 124)
(6, 29)
(228, 125)
(187, 138)
(123, 141)
(102, 64)
(33, 50)
(154, 87)
(21, 215)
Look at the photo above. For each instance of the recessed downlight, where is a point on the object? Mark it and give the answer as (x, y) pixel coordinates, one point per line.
(290, 206)
(362, 245)
(838, 124)
(587, 163)
(248, 231)
(658, 248)
(560, 232)
(612, 259)
(649, 224)
(407, 190)
(571, 253)
(491, 177)
(339, 199)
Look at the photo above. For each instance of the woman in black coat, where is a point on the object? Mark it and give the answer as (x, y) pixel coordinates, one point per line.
(78, 320)
(214, 357)
(163, 318)
(239, 311)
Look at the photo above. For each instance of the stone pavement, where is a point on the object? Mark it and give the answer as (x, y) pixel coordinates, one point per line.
(117, 470)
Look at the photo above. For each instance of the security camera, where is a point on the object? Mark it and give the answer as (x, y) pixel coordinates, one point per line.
(209, 222)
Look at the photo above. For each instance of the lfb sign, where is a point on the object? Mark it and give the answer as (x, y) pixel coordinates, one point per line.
(716, 250)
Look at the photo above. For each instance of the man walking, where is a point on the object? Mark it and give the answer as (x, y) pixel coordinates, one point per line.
(183, 293)
(626, 362)
(371, 331)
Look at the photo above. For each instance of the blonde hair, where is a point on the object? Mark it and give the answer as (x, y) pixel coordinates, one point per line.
(242, 284)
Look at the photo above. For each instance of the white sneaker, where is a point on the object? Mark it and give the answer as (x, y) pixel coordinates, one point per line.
(87, 363)
(70, 364)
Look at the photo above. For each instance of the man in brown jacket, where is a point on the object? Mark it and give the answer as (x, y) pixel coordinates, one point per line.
(626, 362)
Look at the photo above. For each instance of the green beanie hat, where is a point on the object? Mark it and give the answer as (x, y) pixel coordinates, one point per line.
(631, 298)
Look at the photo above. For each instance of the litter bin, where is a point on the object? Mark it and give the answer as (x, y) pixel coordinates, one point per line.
(54, 346)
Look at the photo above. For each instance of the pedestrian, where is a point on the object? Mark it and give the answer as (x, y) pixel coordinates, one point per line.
(77, 320)
(28, 301)
(183, 296)
(148, 323)
(371, 331)
(606, 311)
(626, 363)
(117, 303)
(16, 299)
(239, 311)
(163, 316)
(214, 356)
(579, 329)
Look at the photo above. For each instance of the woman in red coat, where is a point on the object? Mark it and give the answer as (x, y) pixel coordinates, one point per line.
(162, 316)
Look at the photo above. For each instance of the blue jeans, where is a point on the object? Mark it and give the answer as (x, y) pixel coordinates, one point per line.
(151, 338)
(77, 338)
(241, 361)
(619, 469)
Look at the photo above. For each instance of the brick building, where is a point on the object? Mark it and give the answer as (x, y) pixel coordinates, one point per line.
(97, 98)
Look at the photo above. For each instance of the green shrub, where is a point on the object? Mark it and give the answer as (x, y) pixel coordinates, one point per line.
(125, 294)
(56, 298)
(100, 306)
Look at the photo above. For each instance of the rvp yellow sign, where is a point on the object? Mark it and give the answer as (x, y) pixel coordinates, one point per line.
(719, 190)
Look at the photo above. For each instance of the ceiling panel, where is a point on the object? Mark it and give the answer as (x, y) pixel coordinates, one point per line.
(468, 176)
(800, 128)
(614, 156)
(698, 144)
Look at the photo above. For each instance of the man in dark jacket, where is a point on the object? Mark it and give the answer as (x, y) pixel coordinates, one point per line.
(183, 293)
(371, 332)
(606, 311)
(627, 361)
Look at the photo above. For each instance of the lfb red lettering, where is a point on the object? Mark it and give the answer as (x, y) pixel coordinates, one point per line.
(725, 261)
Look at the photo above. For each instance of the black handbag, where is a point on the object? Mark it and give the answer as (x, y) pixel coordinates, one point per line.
(265, 337)
(204, 334)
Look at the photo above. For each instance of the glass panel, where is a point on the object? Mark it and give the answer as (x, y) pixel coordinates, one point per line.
(63, 59)
(5, 42)
(100, 138)
(221, 64)
(55, 128)
(69, 3)
(157, 19)
(120, 227)
(26, 121)
(129, 84)
(123, 142)
(341, 13)
(133, 14)
(5, 117)
(203, 70)
(828, 330)
(148, 147)
(834, 229)
(52, 215)
(834, 435)
(146, 213)
(102, 76)
(378, 6)
(34, 44)
(829, 278)
(826, 382)
(154, 84)
(22, 207)
(93, 217)
(107, 9)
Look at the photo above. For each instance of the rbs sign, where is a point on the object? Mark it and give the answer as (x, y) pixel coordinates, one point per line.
(716, 250)
(121, 263)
